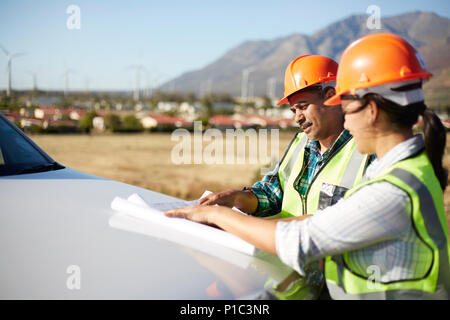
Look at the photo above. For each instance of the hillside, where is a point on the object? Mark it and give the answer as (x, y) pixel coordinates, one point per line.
(427, 31)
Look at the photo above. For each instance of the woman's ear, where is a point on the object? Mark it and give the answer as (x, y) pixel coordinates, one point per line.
(373, 112)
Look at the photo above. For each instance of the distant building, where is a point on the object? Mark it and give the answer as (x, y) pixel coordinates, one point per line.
(226, 122)
(47, 101)
(26, 112)
(99, 123)
(257, 121)
(189, 108)
(286, 123)
(149, 122)
(249, 121)
(222, 106)
(29, 122)
(160, 121)
(13, 116)
(54, 113)
(46, 112)
(76, 114)
(167, 106)
(68, 124)
(446, 123)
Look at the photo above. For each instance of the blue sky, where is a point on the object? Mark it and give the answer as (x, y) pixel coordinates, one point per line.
(169, 37)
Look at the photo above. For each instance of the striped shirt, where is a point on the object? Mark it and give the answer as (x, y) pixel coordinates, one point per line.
(376, 220)
(269, 191)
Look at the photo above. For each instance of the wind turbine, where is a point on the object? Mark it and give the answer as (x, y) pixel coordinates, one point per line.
(153, 80)
(33, 75)
(139, 67)
(244, 84)
(66, 73)
(251, 90)
(87, 82)
(156, 78)
(271, 86)
(10, 56)
(148, 85)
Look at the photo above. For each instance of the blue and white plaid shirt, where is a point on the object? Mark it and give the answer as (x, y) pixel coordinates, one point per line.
(377, 218)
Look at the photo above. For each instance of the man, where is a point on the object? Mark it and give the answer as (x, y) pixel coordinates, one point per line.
(320, 164)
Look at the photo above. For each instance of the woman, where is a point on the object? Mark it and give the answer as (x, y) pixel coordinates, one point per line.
(388, 238)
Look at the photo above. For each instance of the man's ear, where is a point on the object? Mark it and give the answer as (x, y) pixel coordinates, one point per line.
(329, 92)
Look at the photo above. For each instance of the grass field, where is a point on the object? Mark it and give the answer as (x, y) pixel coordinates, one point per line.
(145, 160)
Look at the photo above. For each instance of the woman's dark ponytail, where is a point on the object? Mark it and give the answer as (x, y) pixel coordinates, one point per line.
(435, 141)
(433, 131)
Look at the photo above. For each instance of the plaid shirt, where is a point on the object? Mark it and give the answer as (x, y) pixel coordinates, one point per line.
(269, 191)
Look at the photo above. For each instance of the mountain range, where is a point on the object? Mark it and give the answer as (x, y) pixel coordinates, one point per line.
(426, 31)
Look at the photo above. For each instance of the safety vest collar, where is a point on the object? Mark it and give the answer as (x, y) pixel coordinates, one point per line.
(295, 150)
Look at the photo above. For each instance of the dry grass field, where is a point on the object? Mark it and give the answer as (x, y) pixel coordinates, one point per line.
(145, 160)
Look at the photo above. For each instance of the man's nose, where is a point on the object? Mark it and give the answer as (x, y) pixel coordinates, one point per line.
(299, 116)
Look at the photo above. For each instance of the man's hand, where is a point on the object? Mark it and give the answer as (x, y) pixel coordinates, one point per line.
(243, 200)
(225, 198)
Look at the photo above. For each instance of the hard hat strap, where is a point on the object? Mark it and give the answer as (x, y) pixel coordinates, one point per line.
(402, 93)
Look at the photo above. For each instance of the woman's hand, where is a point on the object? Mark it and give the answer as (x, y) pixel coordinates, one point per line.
(257, 231)
(201, 214)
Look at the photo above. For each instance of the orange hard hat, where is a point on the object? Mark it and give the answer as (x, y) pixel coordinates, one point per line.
(376, 60)
(305, 71)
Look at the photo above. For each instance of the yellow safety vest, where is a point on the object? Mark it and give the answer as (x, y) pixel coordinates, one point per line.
(430, 280)
(340, 172)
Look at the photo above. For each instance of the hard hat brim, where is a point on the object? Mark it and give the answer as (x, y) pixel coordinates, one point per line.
(334, 100)
(283, 101)
(324, 80)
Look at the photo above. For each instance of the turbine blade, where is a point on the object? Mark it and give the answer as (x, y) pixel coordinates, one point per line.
(19, 54)
(4, 50)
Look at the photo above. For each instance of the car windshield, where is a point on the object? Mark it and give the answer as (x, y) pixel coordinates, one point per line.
(18, 155)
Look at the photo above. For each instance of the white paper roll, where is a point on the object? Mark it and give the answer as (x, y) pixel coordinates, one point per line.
(182, 225)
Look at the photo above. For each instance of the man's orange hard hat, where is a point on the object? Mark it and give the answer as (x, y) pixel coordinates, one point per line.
(305, 71)
(375, 60)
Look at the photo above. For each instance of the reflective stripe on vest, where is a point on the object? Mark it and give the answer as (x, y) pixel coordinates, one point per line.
(353, 169)
(287, 164)
(343, 170)
(429, 221)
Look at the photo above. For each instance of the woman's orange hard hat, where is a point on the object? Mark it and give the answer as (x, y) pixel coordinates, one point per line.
(375, 60)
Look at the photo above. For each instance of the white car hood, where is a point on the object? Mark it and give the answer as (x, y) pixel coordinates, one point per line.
(53, 220)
